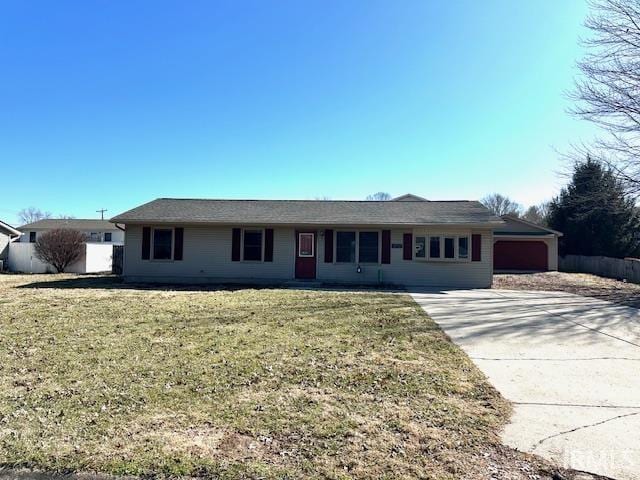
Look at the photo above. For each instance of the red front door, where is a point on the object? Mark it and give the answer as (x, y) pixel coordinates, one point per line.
(305, 255)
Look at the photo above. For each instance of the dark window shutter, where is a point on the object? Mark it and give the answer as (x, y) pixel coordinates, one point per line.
(146, 243)
(386, 246)
(179, 239)
(268, 244)
(476, 245)
(328, 246)
(407, 246)
(235, 244)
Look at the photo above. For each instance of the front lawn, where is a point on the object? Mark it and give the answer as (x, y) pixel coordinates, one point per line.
(271, 383)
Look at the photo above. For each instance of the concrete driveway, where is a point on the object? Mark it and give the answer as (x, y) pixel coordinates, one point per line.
(569, 364)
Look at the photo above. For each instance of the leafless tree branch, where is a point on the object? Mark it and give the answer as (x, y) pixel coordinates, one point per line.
(608, 93)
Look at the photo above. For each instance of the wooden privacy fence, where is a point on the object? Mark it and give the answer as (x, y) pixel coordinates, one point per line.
(627, 268)
(118, 258)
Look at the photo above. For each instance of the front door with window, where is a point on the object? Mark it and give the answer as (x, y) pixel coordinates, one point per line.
(305, 255)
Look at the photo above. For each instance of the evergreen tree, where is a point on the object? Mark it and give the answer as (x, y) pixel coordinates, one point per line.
(595, 215)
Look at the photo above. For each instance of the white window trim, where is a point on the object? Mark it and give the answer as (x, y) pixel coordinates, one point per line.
(441, 259)
(173, 245)
(357, 249)
(313, 244)
(256, 229)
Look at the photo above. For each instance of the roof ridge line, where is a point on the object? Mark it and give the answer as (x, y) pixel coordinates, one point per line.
(294, 200)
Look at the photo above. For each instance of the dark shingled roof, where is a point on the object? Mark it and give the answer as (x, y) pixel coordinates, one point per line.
(309, 212)
(74, 223)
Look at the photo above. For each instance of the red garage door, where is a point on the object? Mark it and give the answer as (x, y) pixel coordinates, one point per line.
(520, 255)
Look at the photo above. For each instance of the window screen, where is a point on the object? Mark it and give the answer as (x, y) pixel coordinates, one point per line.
(463, 247)
(421, 247)
(434, 247)
(253, 245)
(346, 247)
(368, 252)
(162, 243)
(449, 247)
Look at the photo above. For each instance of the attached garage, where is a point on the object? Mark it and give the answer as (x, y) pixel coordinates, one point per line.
(520, 255)
(524, 246)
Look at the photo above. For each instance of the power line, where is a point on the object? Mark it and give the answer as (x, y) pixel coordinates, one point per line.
(101, 212)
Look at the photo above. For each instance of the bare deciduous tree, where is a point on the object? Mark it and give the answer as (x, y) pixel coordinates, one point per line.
(501, 205)
(60, 247)
(32, 214)
(379, 196)
(608, 93)
(537, 214)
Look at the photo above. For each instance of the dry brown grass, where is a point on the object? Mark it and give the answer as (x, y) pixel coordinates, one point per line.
(616, 291)
(239, 383)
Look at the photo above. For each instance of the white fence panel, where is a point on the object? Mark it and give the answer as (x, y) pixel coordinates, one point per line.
(627, 268)
(95, 258)
(22, 259)
(98, 258)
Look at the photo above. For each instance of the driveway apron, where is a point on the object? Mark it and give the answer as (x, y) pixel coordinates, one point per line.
(569, 364)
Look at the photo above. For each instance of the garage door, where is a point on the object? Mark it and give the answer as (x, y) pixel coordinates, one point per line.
(520, 255)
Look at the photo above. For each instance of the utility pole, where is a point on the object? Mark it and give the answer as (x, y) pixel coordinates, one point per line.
(101, 212)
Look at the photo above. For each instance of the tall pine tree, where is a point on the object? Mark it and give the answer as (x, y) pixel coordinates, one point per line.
(595, 215)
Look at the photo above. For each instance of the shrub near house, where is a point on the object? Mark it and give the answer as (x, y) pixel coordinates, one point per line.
(60, 247)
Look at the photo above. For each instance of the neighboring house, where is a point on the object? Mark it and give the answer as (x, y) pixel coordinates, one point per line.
(409, 197)
(96, 256)
(7, 234)
(413, 242)
(520, 245)
(97, 231)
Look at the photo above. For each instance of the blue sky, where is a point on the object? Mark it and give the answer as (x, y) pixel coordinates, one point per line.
(109, 104)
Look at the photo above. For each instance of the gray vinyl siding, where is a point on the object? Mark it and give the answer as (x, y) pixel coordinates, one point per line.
(414, 272)
(207, 258)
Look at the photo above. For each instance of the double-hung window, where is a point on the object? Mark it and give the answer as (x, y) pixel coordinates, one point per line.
(368, 247)
(442, 247)
(463, 247)
(449, 247)
(252, 245)
(434, 247)
(345, 247)
(162, 243)
(107, 236)
(363, 247)
(421, 247)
